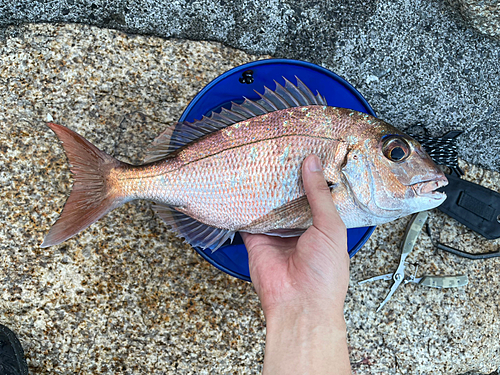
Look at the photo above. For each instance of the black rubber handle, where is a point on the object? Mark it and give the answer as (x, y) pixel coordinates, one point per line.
(473, 205)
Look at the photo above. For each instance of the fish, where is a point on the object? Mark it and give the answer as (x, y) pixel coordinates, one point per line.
(239, 170)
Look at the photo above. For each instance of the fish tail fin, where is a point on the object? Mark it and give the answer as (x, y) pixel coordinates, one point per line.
(93, 194)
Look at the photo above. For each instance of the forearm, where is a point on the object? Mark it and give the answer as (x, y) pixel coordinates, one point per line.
(306, 341)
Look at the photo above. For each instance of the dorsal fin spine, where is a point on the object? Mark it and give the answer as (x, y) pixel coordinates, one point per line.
(243, 110)
(256, 105)
(291, 100)
(320, 98)
(283, 97)
(220, 117)
(192, 132)
(279, 98)
(230, 114)
(302, 87)
(267, 101)
(294, 89)
(212, 122)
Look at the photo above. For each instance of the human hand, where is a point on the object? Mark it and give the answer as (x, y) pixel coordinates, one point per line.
(310, 269)
(302, 283)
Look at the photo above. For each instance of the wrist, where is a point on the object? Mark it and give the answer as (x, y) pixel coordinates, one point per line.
(307, 314)
(313, 310)
(306, 339)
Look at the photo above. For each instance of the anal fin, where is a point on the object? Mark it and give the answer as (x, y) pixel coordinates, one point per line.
(195, 232)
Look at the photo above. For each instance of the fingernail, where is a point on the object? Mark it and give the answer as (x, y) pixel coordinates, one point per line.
(315, 164)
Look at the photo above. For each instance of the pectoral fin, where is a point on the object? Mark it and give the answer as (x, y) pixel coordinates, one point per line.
(289, 220)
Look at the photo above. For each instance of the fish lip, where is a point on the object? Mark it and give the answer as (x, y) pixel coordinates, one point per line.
(428, 188)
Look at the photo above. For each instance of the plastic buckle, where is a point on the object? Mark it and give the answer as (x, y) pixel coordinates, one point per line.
(473, 205)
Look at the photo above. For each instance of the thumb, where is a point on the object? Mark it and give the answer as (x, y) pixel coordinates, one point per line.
(324, 213)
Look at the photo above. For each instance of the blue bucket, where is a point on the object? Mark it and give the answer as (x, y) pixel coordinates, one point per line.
(231, 86)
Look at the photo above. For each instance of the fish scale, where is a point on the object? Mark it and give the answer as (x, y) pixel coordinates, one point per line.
(240, 170)
(225, 202)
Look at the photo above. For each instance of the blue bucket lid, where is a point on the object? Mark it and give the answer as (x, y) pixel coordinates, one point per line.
(231, 86)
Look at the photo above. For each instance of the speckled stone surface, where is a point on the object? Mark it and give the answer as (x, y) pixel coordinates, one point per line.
(417, 62)
(483, 15)
(425, 330)
(126, 296)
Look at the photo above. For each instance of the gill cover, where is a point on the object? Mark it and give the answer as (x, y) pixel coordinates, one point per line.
(371, 191)
(386, 171)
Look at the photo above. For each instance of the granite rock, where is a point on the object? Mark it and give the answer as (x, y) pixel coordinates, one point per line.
(416, 62)
(424, 330)
(126, 296)
(483, 15)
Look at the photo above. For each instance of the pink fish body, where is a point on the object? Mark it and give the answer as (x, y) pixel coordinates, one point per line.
(240, 170)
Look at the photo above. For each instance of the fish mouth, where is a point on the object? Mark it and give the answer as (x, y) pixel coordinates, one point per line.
(428, 189)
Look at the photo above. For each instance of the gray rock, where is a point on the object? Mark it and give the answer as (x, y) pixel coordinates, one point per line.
(416, 62)
(126, 295)
(483, 15)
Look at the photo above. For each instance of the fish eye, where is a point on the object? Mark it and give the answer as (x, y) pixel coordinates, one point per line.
(397, 154)
(396, 149)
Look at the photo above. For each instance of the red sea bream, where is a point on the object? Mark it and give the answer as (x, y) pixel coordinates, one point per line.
(240, 170)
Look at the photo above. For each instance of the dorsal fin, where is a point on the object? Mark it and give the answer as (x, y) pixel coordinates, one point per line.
(178, 135)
